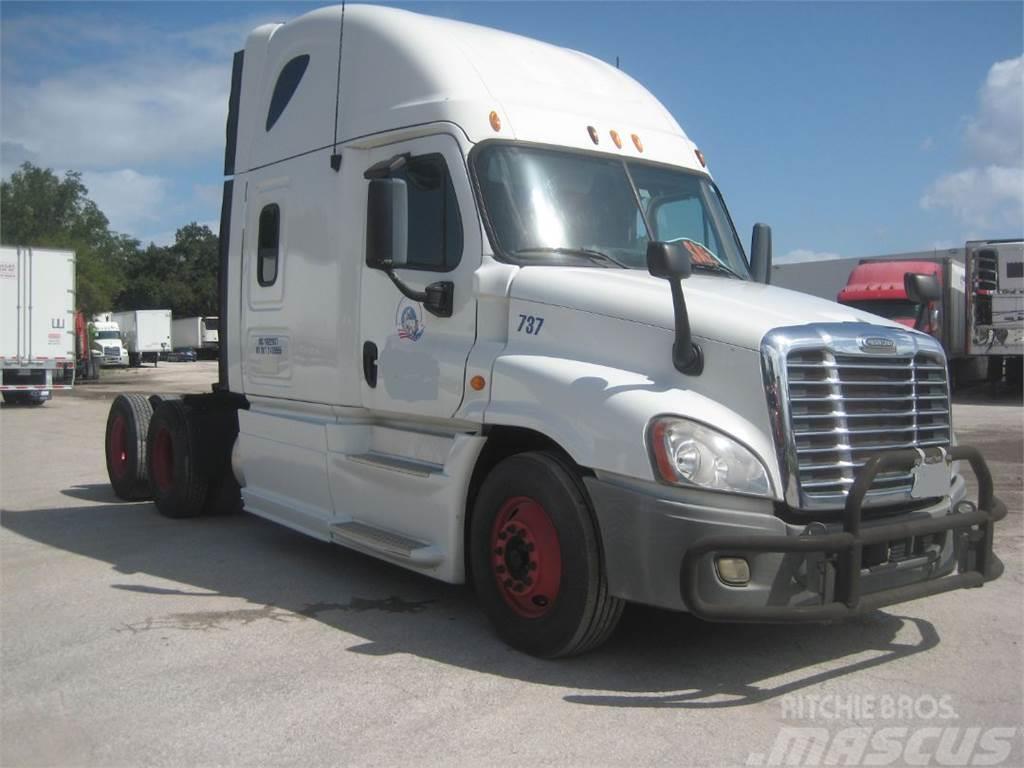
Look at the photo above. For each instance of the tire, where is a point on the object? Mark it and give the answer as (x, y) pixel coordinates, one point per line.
(178, 478)
(1014, 371)
(220, 426)
(125, 446)
(548, 596)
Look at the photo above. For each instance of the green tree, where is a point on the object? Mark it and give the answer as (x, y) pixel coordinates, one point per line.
(181, 277)
(38, 208)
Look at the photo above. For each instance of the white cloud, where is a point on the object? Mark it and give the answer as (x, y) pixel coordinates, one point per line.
(96, 117)
(803, 254)
(130, 199)
(996, 134)
(988, 195)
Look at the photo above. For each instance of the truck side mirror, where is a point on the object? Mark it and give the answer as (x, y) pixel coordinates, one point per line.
(671, 261)
(387, 236)
(387, 223)
(668, 260)
(921, 289)
(761, 254)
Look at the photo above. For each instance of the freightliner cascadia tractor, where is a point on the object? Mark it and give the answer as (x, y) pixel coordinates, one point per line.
(484, 315)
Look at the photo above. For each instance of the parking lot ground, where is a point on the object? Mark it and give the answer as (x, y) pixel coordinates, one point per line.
(131, 639)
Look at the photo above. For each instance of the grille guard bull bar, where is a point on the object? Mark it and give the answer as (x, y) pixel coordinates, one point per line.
(976, 562)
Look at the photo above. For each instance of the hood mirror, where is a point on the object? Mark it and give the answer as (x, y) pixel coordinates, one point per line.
(671, 261)
(668, 260)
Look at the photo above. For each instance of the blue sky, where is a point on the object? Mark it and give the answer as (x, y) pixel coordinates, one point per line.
(852, 128)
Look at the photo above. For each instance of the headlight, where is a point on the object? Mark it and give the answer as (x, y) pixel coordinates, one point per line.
(688, 453)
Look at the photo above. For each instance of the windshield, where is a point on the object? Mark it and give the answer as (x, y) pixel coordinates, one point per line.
(891, 309)
(210, 324)
(108, 334)
(554, 207)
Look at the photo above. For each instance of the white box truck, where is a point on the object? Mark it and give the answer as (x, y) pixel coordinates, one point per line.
(199, 333)
(37, 323)
(146, 334)
(493, 324)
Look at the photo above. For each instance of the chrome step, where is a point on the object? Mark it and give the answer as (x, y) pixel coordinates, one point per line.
(366, 537)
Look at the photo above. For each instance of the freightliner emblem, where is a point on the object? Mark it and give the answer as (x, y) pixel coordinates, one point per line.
(877, 344)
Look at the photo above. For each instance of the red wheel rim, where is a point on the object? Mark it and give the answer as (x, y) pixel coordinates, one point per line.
(119, 447)
(163, 460)
(526, 557)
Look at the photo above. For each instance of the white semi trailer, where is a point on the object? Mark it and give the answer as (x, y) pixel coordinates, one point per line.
(146, 334)
(200, 333)
(457, 338)
(37, 323)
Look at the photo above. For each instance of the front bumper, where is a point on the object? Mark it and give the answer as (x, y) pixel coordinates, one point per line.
(662, 551)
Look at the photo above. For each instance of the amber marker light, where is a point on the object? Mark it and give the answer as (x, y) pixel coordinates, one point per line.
(637, 143)
(478, 383)
(593, 133)
(615, 139)
(700, 156)
(495, 121)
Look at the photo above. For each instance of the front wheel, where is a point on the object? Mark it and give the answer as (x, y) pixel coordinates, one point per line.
(536, 558)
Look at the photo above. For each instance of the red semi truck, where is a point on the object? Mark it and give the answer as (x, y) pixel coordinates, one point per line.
(975, 307)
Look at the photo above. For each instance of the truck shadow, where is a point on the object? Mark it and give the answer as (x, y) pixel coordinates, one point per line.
(989, 393)
(656, 658)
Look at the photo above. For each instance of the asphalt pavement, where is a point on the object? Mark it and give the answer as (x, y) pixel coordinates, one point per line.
(130, 639)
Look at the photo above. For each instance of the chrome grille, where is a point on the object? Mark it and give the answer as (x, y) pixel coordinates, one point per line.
(112, 351)
(836, 404)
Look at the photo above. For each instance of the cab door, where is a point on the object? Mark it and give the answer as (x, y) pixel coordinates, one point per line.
(414, 362)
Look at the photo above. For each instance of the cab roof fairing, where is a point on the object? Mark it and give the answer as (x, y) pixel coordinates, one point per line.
(884, 279)
(402, 69)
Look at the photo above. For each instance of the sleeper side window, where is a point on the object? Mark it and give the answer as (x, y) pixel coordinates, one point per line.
(284, 88)
(435, 226)
(268, 245)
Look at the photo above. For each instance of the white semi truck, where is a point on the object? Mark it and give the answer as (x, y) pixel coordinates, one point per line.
(146, 334)
(200, 333)
(486, 318)
(37, 323)
(107, 346)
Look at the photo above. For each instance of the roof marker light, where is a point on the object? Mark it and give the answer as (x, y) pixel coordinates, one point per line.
(615, 138)
(593, 133)
(637, 143)
(700, 156)
(495, 121)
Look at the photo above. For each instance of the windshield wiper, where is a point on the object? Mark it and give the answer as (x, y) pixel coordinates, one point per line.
(717, 267)
(589, 253)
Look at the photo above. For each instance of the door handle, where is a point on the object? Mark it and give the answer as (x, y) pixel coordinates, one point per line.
(370, 363)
